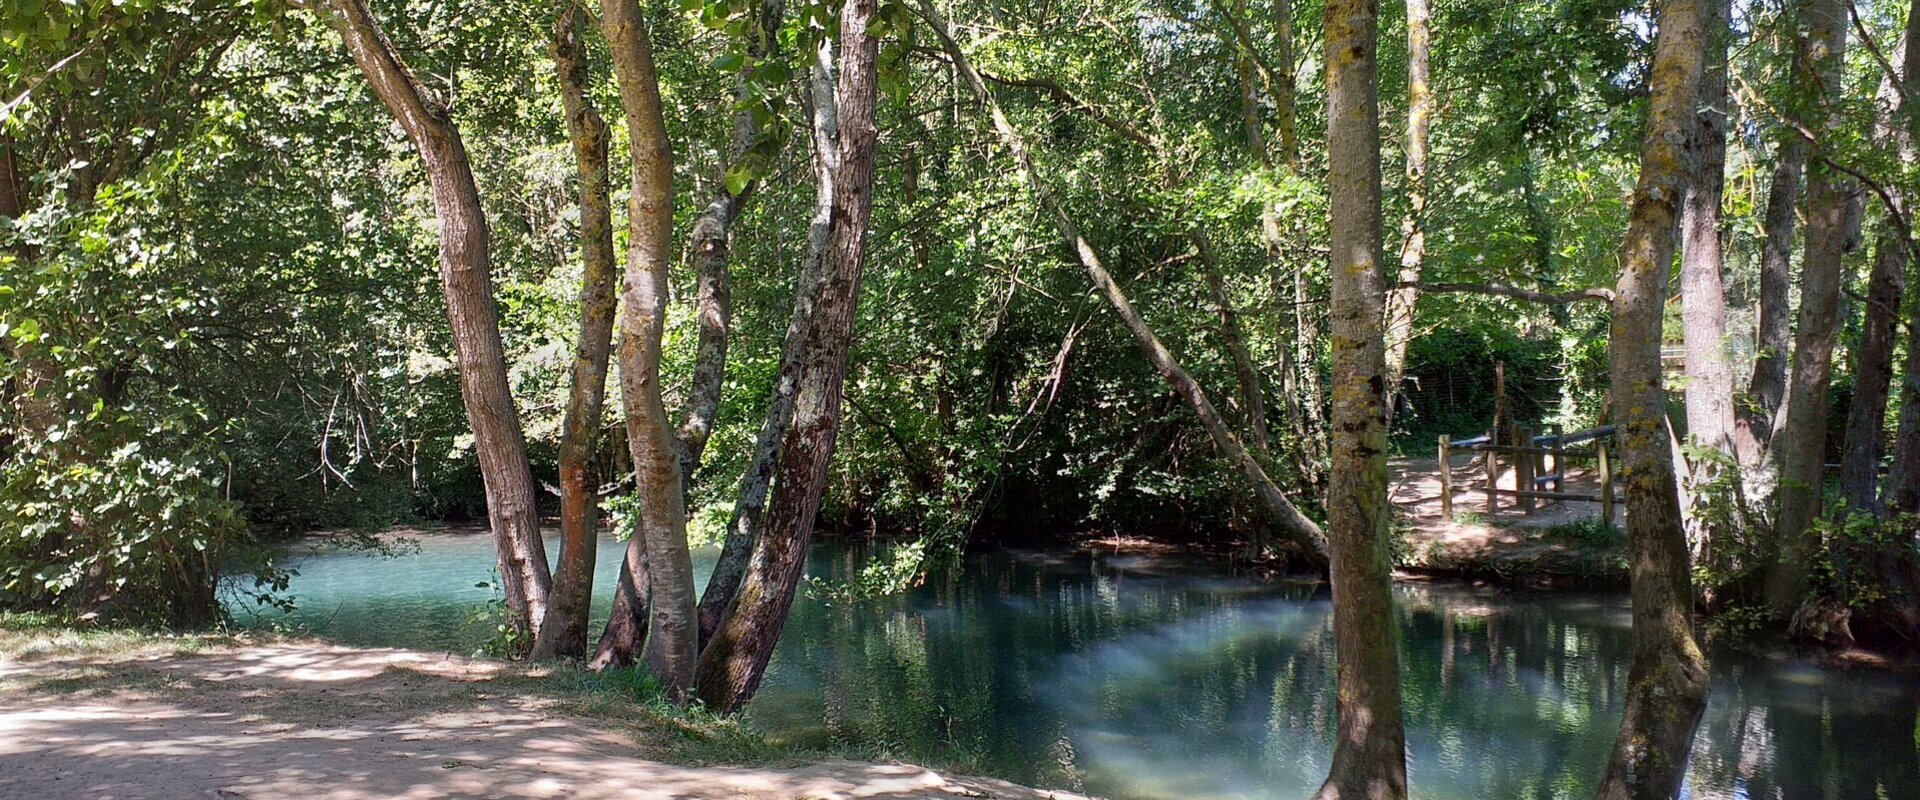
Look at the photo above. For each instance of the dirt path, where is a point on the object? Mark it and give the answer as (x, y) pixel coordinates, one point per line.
(306, 720)
(1508, 544)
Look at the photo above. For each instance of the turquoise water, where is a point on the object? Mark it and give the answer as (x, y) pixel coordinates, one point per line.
(1136, 677)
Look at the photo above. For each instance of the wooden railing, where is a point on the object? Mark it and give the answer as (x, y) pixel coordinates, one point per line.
(1532, 470)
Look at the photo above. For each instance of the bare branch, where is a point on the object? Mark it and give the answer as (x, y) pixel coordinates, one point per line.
(1596, 294)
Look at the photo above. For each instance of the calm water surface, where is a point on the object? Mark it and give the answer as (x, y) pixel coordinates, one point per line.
(1138, 677)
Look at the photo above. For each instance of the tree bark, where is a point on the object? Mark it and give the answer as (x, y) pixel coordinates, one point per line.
(1903, 485)
(1369, 752)
(1405, 295)
(1800, 429)
(712, 231)
(743, 526)
(1286, 118)
(659, 545)
(466, 276)
(732, 665)
(1667, 680)
(1709, 392)
(1873, 358)
(1767, 388)
(565, 633)
(1300, 530)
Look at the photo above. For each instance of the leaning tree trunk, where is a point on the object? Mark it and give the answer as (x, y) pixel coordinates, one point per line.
(744, 525)
(1405, 295)
(1873, 371)
(658, 548)
(713, 303)
(1800, 429)
(565, 633)
(1667, 681)
(467, 281)
(1301, 531)
(1370, 748)
(732, 664)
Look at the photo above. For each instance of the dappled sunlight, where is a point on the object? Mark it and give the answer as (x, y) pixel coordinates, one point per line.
(306, 733)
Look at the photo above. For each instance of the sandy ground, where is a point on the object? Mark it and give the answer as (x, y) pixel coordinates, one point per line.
(1508, 542)
(306, 720)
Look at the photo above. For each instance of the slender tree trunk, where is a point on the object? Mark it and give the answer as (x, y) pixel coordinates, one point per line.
(1709, 392)
(1703, 296)
(1873, 371)
(744, 526)
(1303, 532)
(1402, 299)
(466, 276)
(1369, 752)
(1767, 388)
(565, 633)
(1903, 485)
(1667, 681)
(1800, 429)
(1286, 119)
(732, 665)
(1253, 404)
(659, 545)
(713, 299)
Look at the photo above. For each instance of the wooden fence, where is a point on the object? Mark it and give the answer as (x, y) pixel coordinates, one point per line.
(1539, 462)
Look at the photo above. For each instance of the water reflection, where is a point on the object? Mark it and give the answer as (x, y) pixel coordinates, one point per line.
(1134, 677)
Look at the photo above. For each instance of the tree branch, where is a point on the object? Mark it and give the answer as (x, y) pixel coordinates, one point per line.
(1596, 294)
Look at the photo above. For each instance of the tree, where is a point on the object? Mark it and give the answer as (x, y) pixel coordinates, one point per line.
(1667, 680)
(1405, 295)
(658, 549)
(756, 483)
(466, 277)
(1369, 752)
(1800, 430)
(732, 665)
(1873, 358)
(1304, 534)
(565, 633)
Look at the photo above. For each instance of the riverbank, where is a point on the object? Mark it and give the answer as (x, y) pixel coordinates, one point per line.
(86, 714)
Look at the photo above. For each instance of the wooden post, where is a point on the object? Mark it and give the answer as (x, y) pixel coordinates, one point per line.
(1523, 467)
(1446, 480)
(1559, 452)
(1493, 473)
(1606, 480)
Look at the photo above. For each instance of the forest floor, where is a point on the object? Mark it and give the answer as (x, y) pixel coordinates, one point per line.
(139, 716)
(1554, 545)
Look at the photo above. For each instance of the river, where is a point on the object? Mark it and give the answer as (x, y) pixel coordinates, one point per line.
(1143, 677)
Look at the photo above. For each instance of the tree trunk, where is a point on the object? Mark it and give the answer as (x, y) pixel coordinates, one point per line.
(1767, 387)
(1369, 752)
(1703, 295)
(1286, 118)
(713, 299)
(1873, 370)
(659, 545)
(1253, 403)
(1405, 295)
(466, 276)
(1300, 530)
(1800, 429)
(565, 633)
(743, 526)
(732, 665)
(1709, 392)
(1903, 485)
(1667, 681)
